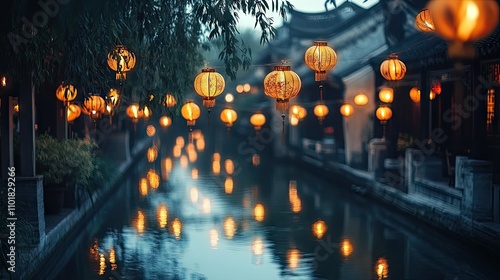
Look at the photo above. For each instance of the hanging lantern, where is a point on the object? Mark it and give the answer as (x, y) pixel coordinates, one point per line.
(209, 84)
(432, 95)
(321, 110)
(191, 112)
(319, 229)
(257, 120)
(298, 111)
(165, 121)
(170, 101)
(228, 116)
(424, 22)
(436, 87)
(113, 97)
(146, 112)
(361, 99)
(346, 110)
(133, 112)
(320, 58)
(383, 113)
(73, 112)
(121, 61)
(282, 84)
(463, 21)
(95, 106)
(415, 94)
(386, 95)
(392, 69)
(66, 93)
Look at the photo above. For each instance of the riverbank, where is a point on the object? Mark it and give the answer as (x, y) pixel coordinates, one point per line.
(483, 236)
(59, 227)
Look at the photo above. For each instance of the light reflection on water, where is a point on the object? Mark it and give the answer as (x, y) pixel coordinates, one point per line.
(248, 221)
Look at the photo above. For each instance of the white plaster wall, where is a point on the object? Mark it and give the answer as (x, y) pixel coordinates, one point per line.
(358, 128)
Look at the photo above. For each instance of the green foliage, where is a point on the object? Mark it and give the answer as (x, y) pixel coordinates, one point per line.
(69, 162)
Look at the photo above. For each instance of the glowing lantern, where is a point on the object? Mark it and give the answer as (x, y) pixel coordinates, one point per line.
(66, 93)
(209, 84)
(393, 69)
(346, 248)
(257, 120)
(95, 106)
(424, 22)
(361, 99)
(320, 58)
(386, 95)
(383, 113)
(298, 111)
(382, 268)
(432, 95)
(191, 112)
(133, 112)
(113, 97)
(463, 21)
(229, 98)
(121, 61)
(346, 110)
(228, 116)
(319, 229)
(170, 101)
(282, 84)
(415, 94)
(74, 112)
(436, 87)
(150, 130)
(321, 110)
(4, 81)
(165, 121)
(146, 112)
(177, 228)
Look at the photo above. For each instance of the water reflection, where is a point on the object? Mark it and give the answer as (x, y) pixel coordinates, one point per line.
(277, 222)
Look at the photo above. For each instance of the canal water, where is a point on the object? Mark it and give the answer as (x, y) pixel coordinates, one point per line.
(193, 209)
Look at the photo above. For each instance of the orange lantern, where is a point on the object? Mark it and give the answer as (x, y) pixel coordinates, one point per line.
(393, 69)
(320, 58)
(94, 106)
(386, 95)
(436, 87)
(170, 101)
(361, 99)
(319, 229)
(228, 116)
(257, 120)
(121, 61)
(133, 112)
(383, 113)
(165, 121)
(415, 94)
(73, 112)
(346, 110)
(191, 112)
(432, 95)
(66, 93)
(321, 110)
(209, 84)
(298, 111)
(463, 21)
(282, 84)
(424, 22)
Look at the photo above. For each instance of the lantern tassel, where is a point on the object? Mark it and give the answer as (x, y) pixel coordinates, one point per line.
(321, 91)
(283, 129)
(208, 118)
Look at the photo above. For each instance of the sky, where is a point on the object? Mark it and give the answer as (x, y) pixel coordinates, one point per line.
(311, 6)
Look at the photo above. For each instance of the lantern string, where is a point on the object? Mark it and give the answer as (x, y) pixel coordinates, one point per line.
(283, 127)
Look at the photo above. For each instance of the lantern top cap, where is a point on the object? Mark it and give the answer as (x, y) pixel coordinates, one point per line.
(320, 43)
(208, 69)
(282, 68)
(393, 56)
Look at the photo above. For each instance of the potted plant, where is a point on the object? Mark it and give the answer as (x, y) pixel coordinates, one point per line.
(66, 166)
